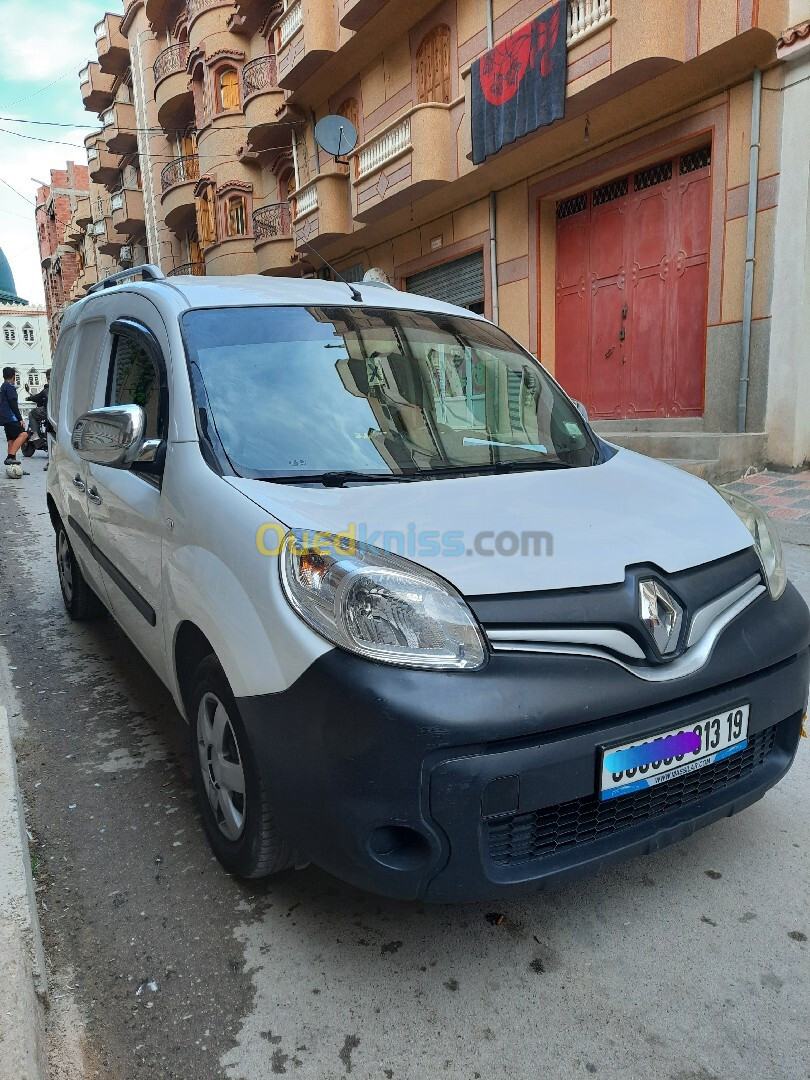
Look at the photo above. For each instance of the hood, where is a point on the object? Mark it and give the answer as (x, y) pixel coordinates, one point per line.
(589, 524)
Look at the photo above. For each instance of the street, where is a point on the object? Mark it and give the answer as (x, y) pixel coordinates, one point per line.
(687, 965)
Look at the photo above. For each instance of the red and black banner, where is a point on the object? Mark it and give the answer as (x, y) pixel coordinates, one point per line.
(519, 85)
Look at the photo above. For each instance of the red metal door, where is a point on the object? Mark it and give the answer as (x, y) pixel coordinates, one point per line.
(632, 280)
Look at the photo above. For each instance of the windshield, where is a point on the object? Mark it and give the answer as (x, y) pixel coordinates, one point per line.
(295, 392)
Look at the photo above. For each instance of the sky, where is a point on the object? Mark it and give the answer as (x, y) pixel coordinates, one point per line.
(51, 42)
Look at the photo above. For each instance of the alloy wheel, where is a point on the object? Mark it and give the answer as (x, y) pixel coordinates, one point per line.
(221, 766)
(64, 559)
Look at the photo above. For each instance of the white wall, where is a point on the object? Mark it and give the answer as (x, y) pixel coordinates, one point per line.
(788, 414)
(20, 354)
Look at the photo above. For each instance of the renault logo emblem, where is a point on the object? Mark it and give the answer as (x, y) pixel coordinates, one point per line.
(661, 614)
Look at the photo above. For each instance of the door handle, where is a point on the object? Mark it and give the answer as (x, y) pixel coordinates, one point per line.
(78, 482)
(93, 495)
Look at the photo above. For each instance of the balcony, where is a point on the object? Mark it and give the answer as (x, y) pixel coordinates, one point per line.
(119, 128)
(161, 14)
(306, 36)
(83, 214)
(111, 45)
(172, 95)
(190, 269)
(409, 158)
(105, 168)
(96, 87)
(248, 18)
(262, 97)
(127, 212)
(177, 183)
(108, 241)
(322, 210)
(272, 238)
(354, 14)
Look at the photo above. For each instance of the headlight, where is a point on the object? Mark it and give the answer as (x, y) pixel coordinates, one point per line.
(766, 539)
(379, 605)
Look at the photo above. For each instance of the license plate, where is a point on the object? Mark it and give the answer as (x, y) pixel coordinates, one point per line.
(644, 763)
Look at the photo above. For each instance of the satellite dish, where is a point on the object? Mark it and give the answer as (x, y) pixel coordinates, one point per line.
(336, 135)
(376, 276)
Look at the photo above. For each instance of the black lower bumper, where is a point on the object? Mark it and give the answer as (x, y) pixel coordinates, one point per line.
(458, 787)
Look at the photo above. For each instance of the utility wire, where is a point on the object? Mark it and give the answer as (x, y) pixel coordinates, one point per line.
(27, 97)
(136, 130)
(24, 197)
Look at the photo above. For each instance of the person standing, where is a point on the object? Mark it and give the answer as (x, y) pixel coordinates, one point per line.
(10, 415)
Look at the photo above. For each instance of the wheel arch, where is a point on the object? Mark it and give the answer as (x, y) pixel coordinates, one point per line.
(53, 513)
(191, 647)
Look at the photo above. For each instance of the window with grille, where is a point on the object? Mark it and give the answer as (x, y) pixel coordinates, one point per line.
(658, 174)
(10, 334)
(698, 159)
(433, 66)
(228, 82)
(616, 189)
(28, 334)
(33, 377)
(236, 216)
(569, 207)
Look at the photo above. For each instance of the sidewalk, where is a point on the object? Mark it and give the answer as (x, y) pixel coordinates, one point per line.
(785, 497)
(22, 961)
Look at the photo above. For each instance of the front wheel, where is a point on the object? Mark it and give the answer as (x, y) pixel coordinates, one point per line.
(231, 794)
(80, 600)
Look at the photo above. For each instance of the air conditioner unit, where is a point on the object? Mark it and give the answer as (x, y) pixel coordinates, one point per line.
(126, 254)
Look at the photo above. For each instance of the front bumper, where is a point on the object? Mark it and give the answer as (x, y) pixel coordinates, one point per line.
(458, 787)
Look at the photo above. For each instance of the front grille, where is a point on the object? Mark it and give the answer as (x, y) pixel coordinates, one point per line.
(541, 833)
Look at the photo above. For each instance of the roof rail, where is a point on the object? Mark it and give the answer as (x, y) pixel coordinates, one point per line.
(147, 272)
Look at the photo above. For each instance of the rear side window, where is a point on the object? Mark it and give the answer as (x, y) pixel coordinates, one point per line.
(135, 380)
(84, 375)
(58, 371)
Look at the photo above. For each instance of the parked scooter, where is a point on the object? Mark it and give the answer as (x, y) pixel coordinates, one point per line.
(37, 433)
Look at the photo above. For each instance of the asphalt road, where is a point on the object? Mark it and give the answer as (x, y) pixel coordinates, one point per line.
(691, 964)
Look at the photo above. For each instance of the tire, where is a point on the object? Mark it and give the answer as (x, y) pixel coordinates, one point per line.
(239, 824)
(80, 600)
(28, 450)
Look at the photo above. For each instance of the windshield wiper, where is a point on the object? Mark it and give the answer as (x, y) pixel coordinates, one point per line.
(339, 479)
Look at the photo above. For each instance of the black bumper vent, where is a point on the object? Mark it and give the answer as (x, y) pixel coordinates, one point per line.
(540, 833)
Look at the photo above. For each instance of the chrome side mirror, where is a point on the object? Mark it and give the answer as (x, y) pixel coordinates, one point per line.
(114, 437)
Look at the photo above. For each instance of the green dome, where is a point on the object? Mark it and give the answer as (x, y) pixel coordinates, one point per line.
(8, 290)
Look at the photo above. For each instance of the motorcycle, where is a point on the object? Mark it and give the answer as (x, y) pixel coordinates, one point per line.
(37, 433)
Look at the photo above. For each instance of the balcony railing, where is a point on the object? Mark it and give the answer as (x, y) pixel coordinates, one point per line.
(98, 228)
(195, 268)
(108, 118)
(306, 200)
(585, 17)
(171, 60)
(100, 30)
(272, 222)
(92, 155)
(291, 23)
(383, 149)
(117, 201)
(259, 74)
(84, 75)
(180, 171)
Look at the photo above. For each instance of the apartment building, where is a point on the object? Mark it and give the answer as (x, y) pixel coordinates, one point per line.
(55, 204)
(632, 243)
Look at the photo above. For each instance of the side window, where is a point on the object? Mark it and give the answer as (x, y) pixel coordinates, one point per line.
(135, 380)
(58, 373)
(84, 373)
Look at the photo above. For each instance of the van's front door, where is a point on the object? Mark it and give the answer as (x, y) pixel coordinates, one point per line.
(125, 504)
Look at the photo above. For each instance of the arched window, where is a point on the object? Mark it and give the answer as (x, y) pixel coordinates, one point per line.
(9, 334)
(236, 216)
(28, 334)
(228, 88)
(206, 219)
(433, 66)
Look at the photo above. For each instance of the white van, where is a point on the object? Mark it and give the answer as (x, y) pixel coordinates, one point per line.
(429, 631)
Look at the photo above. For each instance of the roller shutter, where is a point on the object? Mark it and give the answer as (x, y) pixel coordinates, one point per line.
(458, 282)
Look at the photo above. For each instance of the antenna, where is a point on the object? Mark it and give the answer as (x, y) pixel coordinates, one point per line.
(336, 135)
(355, 293)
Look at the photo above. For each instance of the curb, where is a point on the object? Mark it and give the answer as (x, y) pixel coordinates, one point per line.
(23, 974)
